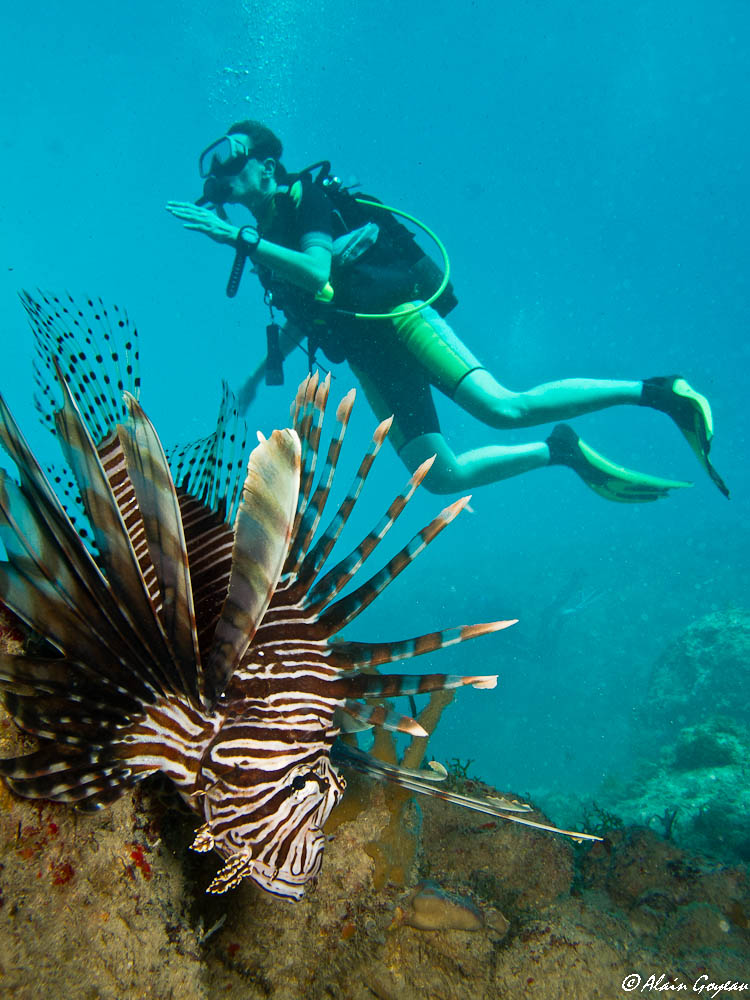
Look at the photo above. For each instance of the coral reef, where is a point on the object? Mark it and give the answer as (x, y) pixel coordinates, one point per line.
(697, 793)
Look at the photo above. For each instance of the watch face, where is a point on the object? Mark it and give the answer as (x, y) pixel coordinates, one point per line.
(250, 237)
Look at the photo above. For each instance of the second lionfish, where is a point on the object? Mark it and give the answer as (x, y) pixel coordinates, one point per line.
(196, 633)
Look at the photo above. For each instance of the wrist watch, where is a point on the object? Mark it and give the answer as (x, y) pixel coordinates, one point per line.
(248, 239)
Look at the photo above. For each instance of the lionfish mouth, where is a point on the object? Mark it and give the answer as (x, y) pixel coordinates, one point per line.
(194, 632)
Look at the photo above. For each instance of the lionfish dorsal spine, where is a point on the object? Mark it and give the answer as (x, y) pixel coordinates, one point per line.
(358, 655)
(308, 517)
(338, 615)
(336, 579)
(314, 562)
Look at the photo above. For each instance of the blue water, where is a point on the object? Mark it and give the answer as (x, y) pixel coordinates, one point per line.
(586, 165)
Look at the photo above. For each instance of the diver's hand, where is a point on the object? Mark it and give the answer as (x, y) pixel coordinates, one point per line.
(203, 220)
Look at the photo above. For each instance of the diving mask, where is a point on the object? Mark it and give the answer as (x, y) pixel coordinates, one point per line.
(225, 157)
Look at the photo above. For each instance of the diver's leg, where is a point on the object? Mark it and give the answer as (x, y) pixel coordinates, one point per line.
(452, 473)
(451, 367)
(483, 397)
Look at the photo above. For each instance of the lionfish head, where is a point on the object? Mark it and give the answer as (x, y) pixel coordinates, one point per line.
(270, 832)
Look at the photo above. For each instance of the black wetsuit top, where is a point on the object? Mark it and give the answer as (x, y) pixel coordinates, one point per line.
(392, 271)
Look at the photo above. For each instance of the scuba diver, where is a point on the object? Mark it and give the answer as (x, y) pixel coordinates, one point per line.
(352, 280)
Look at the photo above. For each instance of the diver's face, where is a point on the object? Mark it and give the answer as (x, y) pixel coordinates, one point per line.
(252, 185)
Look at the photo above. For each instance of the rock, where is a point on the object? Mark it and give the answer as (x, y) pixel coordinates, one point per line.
(706, 672)
(431, 908)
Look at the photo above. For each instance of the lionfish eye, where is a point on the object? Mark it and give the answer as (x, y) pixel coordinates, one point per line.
(299, 782)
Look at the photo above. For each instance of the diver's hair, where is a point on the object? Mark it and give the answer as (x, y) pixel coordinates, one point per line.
(265, 143)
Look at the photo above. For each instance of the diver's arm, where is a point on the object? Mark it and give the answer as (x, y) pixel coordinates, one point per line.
(309, 269)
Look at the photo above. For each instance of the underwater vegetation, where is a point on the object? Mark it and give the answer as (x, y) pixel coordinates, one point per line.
(197, 634)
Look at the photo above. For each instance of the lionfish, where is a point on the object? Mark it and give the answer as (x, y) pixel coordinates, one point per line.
(196, 631)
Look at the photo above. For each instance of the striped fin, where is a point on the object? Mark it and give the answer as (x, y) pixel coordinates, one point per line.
(489, 805)
(315, 560)
(157, 502)
(396, 685)
(307, 525)
(340, 614)
(39, 493)
(355, 655)
(208, 475)
(113, 541)
(308, 426)
(28, 676)
(261, 541)
(299, 401)
(60, 716)
(39, 604)
(209, 540)
(337, 578)
(51, 580)
(68, 774)
(384, 717)
(112, 457)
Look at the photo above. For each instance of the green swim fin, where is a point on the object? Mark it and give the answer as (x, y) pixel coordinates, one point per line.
(610, 481)
(690, 411)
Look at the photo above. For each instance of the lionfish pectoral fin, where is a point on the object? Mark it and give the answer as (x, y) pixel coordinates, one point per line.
(262, 534)
(156, 496)
(234, 871)
(204, 840)
(125, 576)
